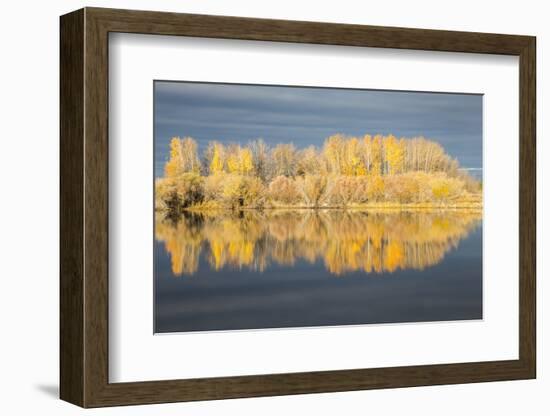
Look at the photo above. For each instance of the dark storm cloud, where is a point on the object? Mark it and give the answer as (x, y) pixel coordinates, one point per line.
(304, 116)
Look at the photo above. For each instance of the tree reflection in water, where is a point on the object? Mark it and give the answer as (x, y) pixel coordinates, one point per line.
(346, 241)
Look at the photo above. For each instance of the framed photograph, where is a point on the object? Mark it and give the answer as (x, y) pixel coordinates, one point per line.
(254, 207)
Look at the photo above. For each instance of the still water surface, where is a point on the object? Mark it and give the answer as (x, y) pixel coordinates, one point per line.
(275, 269)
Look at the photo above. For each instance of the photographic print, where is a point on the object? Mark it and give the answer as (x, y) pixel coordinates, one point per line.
(289, 206)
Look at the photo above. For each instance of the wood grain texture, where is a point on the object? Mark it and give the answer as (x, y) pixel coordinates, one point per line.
(84, 204)
(96, 206)
(227, 27)
(71, 208)
(528, 207)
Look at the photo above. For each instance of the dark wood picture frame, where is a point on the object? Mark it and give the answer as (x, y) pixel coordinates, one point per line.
(84, 207)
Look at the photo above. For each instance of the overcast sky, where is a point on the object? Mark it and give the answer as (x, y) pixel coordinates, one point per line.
(240, 113)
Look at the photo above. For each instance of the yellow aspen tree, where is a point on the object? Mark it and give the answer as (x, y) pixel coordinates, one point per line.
(246, 164)
(346, 163)
(333, 153)
(174, 165)
(359, 158)
(386, 145)
(233, 162)
(366, 153)
(351, 161)
(394, 155)
(376, 166)
(402, 146)
(183, 157)
(283, 160)
(217, 161)
(310, 162)
(191, 162)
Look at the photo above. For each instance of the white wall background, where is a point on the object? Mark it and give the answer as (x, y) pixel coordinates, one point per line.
(29, 158)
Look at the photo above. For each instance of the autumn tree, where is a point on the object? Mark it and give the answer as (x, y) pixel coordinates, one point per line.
(401, 188)
(366, 153)
(313, 189)
(183, 157)
(239, 160)
(445, 188)
(428, 156)
(375, 188)
(284, 190)
(260, 158)
(344, 190)
(177, 193)
(352, 160)
(333, 152)
(283, 160)
(213, 187)
(310, 162)
(377, 157)
(215, 158)
(240, 191)
(394, 152)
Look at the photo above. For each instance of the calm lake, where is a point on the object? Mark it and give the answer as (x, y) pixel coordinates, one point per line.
(276, 269)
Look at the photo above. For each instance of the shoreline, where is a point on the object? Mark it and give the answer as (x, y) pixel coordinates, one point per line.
(367, 207)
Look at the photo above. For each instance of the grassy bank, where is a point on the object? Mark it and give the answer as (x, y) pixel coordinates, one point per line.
(472, 205)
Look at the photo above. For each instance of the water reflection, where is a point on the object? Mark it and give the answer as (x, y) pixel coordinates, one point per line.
(346, 241)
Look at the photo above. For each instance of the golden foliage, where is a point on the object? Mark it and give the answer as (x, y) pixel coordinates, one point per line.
(179, 192)
(313, 189)
(283, 160)
(243, 191)
(183, 157)
(217, 158)
(239, 160)
(284, 190)
(346, 171)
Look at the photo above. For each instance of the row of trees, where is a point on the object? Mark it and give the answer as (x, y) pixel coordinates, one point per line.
(345, 171)
(340, 155)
